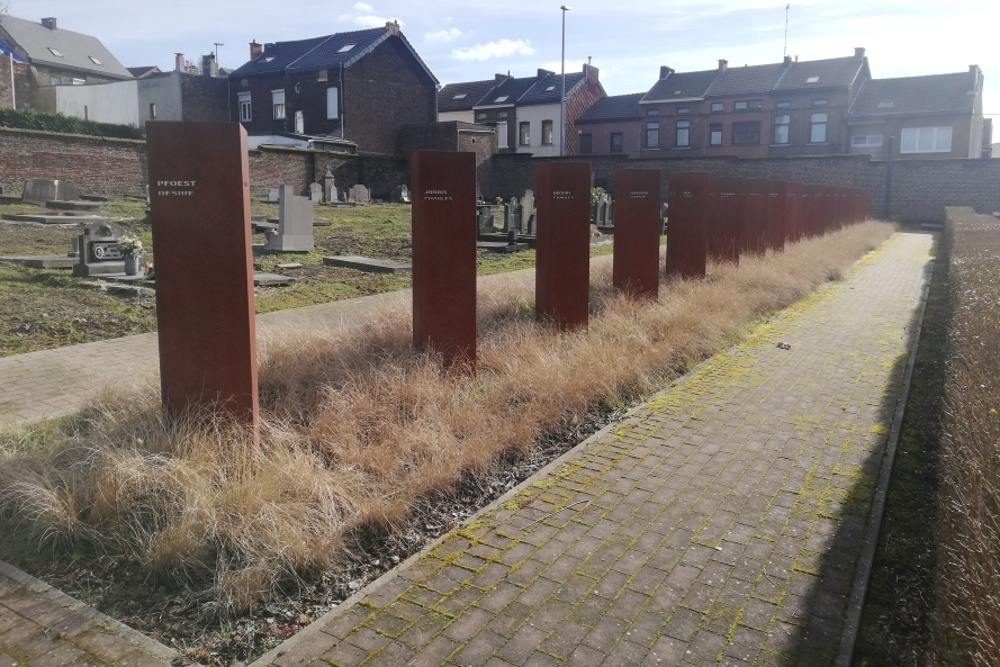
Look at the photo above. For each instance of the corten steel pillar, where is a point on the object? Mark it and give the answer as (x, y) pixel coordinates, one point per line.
(807, 215)
(724, 219)
(444, 255)
(637, 231)
(793, 212)
(687, 227)
(199, 191)
(777, 212)
(562, 246)
(754, 201)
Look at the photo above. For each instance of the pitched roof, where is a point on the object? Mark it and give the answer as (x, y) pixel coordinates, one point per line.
(916, 94)
(749, 80)
(317, 53)
(681, 85)
(507, 93)
(63, 48)
(830, 73)
(547, 88)
(463, 96)
(144, 71)
(615, 107)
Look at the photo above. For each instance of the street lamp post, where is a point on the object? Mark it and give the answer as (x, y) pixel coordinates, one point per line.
(562, 97)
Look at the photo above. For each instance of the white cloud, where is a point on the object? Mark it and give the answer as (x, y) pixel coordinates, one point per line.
(491, 50)
(363, 7)
(374, 21)
(443, 35)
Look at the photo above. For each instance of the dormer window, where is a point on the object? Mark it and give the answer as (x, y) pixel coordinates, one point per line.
(55, 52)
(812, 79)
(885, 104)
(345, 48)
(95, 60)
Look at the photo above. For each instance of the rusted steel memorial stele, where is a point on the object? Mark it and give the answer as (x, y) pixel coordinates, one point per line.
(200, 206)
(444, 255)
(637, 231)
(562, 263)
(687, 224)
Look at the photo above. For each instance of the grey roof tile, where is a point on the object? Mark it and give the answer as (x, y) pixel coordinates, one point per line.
(916, 94)
(463, 96)
(830, 73)
(614, 107)
(681, 85)
(548, 88)
(76, 50)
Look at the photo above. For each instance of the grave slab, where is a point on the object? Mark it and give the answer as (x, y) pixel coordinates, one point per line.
(75, 205)
(562, 265)
(42, 261)
(501, 247)
(265, 279)
(637, 231)
(56, 219)
(444, 255)
(368, 264)
(200, 198)
(37, 190)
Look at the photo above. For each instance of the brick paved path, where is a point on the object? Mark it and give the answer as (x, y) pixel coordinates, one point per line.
(720, 524)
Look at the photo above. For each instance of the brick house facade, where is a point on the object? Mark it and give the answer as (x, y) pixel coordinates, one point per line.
(361, 87)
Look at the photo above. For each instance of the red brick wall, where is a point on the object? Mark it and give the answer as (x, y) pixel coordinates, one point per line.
(6, 101)
(577, 104)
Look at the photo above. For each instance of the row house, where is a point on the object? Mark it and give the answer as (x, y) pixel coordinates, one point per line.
(525, 111)
(356, 88)
(938, 115)
(773, 110)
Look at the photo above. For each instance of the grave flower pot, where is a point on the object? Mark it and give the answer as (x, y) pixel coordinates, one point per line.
(131, 265)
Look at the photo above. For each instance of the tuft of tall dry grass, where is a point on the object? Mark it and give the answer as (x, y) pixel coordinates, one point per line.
(968, 531)
(357, 427)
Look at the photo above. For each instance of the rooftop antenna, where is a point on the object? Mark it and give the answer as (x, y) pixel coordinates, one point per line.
(785, 48)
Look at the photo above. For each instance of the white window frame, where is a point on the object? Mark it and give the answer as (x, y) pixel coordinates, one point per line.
(502, 139)
(524, 133)
(246, 109)
(715, 135)
(683, 134)
(817, 127)
(333, 103)
(278, 103)
(783, 122)
(925, 139)
(651, 137)
(867, 140)
(548, 133)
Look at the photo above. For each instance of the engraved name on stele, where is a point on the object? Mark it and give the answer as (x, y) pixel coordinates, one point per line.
(640, 194)
(562, 194)
(437, 195)
(175, 188)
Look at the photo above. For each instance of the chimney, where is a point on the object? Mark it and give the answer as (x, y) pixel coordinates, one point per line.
(859, 52)
(255, 49)
(178, 62)
(723, 65)
(49, 22)
(591, 72)
(665, 72)
(209, 67)
(974, 69)
(392, 27)
(788, 60)
(500, 78)
(544, 72)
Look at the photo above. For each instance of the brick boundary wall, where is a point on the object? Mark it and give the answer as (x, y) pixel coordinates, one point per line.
(116, 167)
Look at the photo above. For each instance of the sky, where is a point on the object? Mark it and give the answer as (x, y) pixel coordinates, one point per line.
(627, 40)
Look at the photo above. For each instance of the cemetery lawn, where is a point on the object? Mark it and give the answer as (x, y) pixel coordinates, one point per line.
(46, 308)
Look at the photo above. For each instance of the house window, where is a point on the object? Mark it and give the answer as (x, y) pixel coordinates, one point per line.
(746, 104)
(746, 133)
(55, 52)
(820, 102)
(653, 112)
(481, 116)
(77, 82)
(867, 140)
(460, 96)
(95, 60)
(652, 135)
(683, 109)
(925, 140)
(300, 122)
(718, 107)
(547, 139)
(524, 134)
(152, 110)
(502, 134)
(616, 142)
(715, 134)
(817, 128)
(278, 103)
(683, 133)
(781, 123)
(783, 104)
(586, 144)
(244, 101)
(345, 48)
(502, 98)
(54, 81)
(322, 75)
(332, 103)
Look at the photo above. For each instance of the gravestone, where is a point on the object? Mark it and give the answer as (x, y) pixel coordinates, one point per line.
(562, 264)
(687, 242)
(359, 194)
(528, 212)
(316, 193)
(199, 186)
(444, 255)
(484, 219)
(273, 196)
(329, 186)
(400, 195)
(295, 224)
(37, 190)
(97, 252)
(637, 232)
(512, 216)
(723, 219)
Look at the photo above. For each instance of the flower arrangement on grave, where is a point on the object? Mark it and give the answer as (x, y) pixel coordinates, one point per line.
(130, 245)
(148, 272)
(597, 194)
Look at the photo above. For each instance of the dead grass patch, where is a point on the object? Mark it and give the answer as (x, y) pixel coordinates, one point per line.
(358, 428)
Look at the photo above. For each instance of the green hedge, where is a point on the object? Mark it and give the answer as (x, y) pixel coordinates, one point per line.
(27, 119)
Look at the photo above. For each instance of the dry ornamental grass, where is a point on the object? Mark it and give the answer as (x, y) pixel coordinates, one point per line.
(357, 427)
